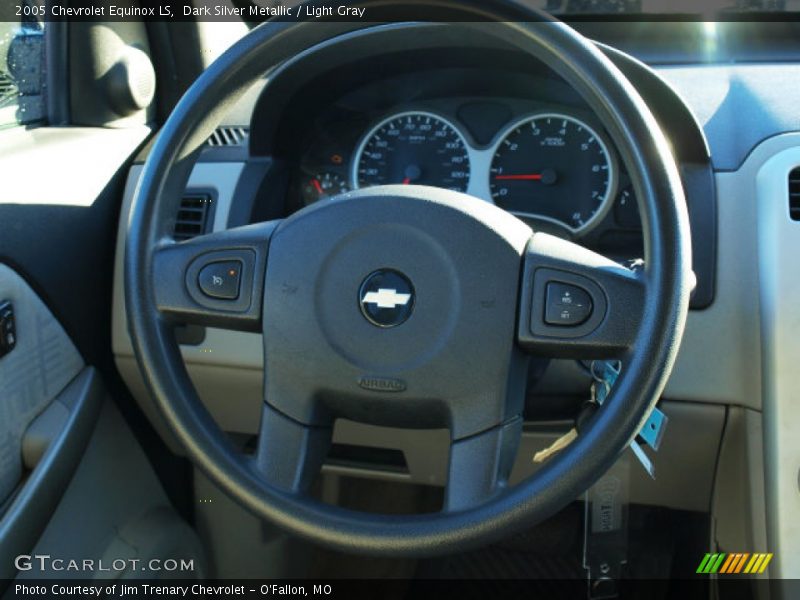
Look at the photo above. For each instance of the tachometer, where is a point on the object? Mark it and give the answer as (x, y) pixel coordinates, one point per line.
(417, 148)
(554, 167)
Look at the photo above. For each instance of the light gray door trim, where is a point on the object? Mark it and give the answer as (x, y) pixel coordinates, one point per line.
(36, 500)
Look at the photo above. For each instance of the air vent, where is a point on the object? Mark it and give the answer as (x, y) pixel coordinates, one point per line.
(193, 216)
(228, 136)
(8, 89)
(794, 194)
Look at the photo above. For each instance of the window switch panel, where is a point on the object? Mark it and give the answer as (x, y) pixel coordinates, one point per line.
(8, 329)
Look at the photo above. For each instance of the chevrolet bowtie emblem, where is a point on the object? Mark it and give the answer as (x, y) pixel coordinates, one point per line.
(385, 298)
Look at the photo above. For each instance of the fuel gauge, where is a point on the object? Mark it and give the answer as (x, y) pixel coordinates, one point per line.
(323, 185)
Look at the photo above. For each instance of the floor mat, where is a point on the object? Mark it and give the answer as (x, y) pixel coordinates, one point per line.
(547, 560)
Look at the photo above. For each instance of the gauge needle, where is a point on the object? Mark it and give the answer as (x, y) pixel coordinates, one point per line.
(318, 186)
(412, 173)
(529, 177)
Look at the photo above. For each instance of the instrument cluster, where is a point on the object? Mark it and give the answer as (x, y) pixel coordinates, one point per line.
(550, 166)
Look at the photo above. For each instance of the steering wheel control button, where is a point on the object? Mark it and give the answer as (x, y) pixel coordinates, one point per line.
(221, 280)
(567, 305)
(386, 298)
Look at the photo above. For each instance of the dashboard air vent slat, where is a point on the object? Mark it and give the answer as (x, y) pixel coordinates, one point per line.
(192, 218)
(8, 89)
(794, 194)
(228, 136)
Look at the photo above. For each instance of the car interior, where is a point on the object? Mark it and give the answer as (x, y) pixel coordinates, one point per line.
(475, 291)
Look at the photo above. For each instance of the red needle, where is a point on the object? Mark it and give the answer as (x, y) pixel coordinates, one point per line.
(318, 187)
(531, 177)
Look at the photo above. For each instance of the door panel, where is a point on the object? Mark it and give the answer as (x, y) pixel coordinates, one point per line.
(49, 403)
(65, 452)
(112, 510)
(41, 365)
(57, 451)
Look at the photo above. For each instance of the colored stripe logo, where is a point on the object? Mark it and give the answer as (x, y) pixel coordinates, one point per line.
(734, 563)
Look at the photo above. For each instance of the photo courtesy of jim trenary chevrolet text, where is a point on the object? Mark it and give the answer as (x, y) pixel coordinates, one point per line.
(400, 299)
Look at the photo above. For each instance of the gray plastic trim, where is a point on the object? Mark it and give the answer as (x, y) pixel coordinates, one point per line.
(778, 250)
(718, 359)
(738, 510)
(221, 347)
(42, 432)
(739, 105)
(685, 463)
(31, 509)
(122, 513)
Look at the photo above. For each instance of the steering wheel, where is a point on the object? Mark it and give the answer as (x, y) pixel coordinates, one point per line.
(406, 306)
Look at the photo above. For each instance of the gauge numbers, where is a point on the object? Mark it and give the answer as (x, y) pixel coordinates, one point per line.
(322, 185)
(413, 148)
(553, 167)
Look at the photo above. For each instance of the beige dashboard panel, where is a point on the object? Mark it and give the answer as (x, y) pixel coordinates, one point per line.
(767, 171)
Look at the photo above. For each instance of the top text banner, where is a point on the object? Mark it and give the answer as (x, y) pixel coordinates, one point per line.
(256, 11)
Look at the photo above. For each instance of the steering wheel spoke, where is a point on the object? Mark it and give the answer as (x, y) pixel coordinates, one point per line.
(215, 279)
(290, 454)
(480, 465)
(576, 303)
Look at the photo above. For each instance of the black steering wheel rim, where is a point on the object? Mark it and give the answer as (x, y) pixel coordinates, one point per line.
(666, 279)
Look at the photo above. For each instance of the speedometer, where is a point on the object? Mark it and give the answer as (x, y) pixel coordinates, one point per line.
(417, 148)
(554, 167)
